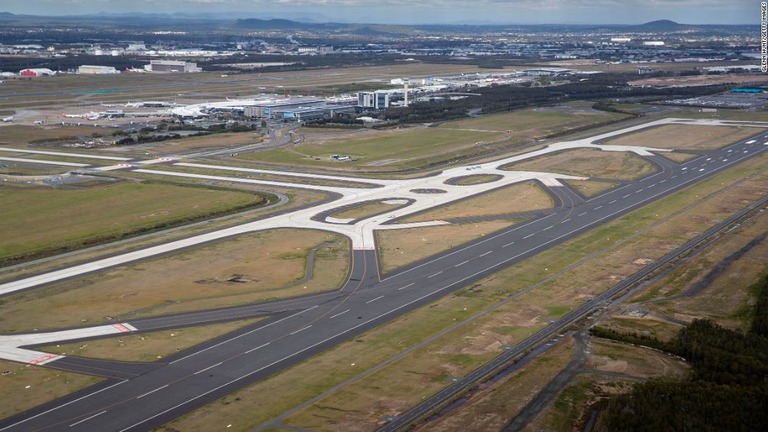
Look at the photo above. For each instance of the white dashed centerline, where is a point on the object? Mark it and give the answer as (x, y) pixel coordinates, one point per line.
(508, 244)
(377, 298)
(528, 236)
(257, 348)
(87, 418)
(300, 330)
(487, 253)
(460, 264)
(339, 314)
(209, 367)
(152, 391)
(433, 275)
(404, 287)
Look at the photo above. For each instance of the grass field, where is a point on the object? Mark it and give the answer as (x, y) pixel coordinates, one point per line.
(395, 149)
(588, 163)
(21, 136)
(537, 122)
(244, 269)
(510, 199)
(23, 387)
(147, 347)
(591, 188)
(419, 147)
(41, 220)
(366, 210)
(684, 137)
(188, 144)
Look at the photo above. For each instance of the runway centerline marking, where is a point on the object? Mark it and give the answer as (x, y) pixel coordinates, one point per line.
(547, 228)
(299, 330)
(567, 220)
(598, 207)
(487, 253)
(373, 300)
(528, 236)
(339, 314)
(581, 214)
(508, 244)
(612, 202)
(87, 418)
(258, 347)
(433, 275)
(404, 287)
(209, 367)
(461, 263)
(152, 391)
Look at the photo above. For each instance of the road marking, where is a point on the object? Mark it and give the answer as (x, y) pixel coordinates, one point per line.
(487, 253)
(150, 392)
(528, 236)
(581, 214)
(258, 347)
(567, 220)
(598, 207)
(373, 300)
(299, 330)
(245, 334)
(87, 418)
(663, 181)
(626, 196)
(508, 244)
(638, 191)
(433, 275)
(674, 176)
(402, 288)
(339, 314)
(461, 263)
(547, 228)
(651, 186)
(209, 367)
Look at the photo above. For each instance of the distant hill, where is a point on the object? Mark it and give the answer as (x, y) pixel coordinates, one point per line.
(661, 25)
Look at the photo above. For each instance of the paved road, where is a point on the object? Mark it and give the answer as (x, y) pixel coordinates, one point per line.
(212, 370)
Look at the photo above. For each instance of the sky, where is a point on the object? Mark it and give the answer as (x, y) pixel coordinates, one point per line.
(422, 11)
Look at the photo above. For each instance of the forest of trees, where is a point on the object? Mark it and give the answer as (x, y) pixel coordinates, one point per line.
(726, 390)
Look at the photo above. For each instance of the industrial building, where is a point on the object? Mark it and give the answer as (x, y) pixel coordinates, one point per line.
(37, 72)
(97, 70)
(375, 100)
(168, 66)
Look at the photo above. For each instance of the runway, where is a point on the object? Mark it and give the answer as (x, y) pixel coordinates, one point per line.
(140, 399)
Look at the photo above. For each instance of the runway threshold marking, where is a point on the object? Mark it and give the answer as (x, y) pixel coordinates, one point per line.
(152, 391)
(209, 367)
(257, 348)
(373, 300)
(87, 418)
(339, 314)
(404, 287)
(300, 330)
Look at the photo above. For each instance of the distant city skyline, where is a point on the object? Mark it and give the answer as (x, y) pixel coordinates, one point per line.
(422, 11)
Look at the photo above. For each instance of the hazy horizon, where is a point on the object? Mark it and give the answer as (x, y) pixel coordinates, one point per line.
(734, 12)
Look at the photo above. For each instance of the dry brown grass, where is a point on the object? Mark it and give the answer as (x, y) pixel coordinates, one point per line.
(510, 199)
(23, 386)
(401, 247)
(684, 137)
(679, 157)
(234, 271)
(591, 188)
(492, 406)
(147, 346)
(367, 210)
(589, 163)
(206, 142)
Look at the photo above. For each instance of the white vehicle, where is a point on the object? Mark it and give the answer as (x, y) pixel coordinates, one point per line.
(8, 119)
(39, 122)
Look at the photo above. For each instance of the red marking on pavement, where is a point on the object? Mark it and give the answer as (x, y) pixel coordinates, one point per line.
(42, 359)
(121, 328)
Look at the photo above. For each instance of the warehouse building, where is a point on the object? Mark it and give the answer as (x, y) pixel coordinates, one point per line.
(97, 70)
(171, 66)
